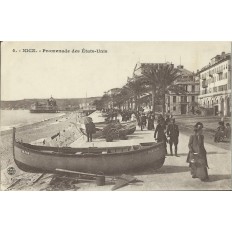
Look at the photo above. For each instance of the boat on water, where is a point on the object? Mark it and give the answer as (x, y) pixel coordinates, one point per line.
(45, 107)
(105, 160)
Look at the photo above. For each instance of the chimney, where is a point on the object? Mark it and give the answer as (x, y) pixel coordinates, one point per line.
(223, 55)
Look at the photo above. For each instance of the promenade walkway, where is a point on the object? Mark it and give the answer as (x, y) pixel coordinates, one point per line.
(175, 174)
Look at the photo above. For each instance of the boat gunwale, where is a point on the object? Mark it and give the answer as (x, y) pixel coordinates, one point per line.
(88, 155)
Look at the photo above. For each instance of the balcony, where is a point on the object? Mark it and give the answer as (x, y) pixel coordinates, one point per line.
(184, 102)
(220, 70)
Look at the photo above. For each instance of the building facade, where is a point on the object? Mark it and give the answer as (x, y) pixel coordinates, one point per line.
(215, 85)
(185, 103)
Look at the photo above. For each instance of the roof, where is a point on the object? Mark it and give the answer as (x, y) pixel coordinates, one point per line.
(220, 59)
(186, 72)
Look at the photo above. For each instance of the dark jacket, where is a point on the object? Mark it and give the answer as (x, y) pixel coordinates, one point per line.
(159, 131)
(143, 119)
(173, 132)
(90, 128)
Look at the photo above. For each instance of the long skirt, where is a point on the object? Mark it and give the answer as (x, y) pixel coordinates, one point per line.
(150, 125)
(199, 170)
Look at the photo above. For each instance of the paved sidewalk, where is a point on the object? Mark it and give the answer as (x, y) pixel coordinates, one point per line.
(175, 174)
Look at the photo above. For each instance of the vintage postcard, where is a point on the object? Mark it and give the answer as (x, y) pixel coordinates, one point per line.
(122, 116)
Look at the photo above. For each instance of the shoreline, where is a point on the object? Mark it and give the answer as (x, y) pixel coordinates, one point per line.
(17, 126)
(28, 133)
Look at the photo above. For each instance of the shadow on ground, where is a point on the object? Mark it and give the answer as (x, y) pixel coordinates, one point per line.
(137, 137)
(166, 169)
(214, 152)
(179, 154)
(213, 178)
(142, 133)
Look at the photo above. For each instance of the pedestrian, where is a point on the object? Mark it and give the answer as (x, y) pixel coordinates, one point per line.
(159, 134)
(197, 154)
(90, 130)
(167, 120)
(143, 121)
(220, 132)
(173, 134)
(150, 122)
(228, 131)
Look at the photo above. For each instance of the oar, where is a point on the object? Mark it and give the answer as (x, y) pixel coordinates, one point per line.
(79, 173)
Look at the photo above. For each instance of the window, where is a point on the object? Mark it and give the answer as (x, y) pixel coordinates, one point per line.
(193, 98)
(220, 76)
(174, 108)
(222, 87)
(183, 98)
(193, 88)
(174, 98)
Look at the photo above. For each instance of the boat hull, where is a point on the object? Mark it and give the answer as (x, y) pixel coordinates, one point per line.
(32, 160)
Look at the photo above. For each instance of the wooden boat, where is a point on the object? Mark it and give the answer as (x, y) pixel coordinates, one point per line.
(115, 129)
(106, 160)
(130, 126)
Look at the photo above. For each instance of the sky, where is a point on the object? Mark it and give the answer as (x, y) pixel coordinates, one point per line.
(76, 75)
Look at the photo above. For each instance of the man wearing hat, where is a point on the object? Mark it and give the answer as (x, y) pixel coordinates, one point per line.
(173, 134)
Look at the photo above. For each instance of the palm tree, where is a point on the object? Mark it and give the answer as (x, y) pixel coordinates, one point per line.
(160, 77)
(105, 100)
(135, 87)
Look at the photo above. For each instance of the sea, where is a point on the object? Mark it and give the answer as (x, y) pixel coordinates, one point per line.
(18, 118)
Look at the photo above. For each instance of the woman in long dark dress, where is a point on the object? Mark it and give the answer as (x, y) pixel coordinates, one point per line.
(197, 154)
(159, 134)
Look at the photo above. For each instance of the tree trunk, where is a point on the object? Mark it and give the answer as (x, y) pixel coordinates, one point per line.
(136, 103)
(153, 100)
(131, 104)
(163, 102)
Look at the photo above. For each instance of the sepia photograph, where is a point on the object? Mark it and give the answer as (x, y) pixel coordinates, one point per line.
(115, 116)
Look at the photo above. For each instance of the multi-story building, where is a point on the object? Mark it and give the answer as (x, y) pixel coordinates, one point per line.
(185, 102)
(177, 103)
(215, 85)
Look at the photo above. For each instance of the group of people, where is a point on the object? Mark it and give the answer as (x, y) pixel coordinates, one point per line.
(146, 120)
(222, 132)
(127, 115)
(167, 132)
